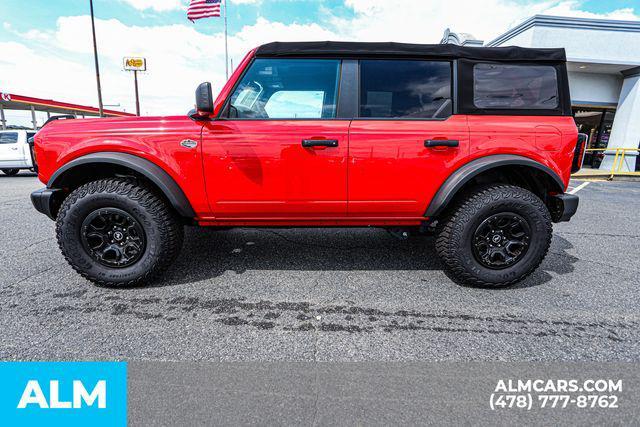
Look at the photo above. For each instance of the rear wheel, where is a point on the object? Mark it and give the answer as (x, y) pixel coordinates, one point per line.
(494, 236)
(117, 233)
(10, 172)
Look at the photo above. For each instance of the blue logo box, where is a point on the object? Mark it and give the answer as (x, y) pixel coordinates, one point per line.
(63, 393)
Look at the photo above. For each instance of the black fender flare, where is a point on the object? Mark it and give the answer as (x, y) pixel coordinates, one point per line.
(144, 167)
(462, 175)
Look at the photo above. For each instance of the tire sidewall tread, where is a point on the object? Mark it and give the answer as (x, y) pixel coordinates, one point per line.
(453, 243)
(164, 233)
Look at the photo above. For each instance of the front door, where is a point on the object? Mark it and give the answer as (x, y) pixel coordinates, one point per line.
(406, 141)
(279, 151)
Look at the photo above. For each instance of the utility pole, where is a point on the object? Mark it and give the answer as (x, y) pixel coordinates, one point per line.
(95, 56)
(226, 48)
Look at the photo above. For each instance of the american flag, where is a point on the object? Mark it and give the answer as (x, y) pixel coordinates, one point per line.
(199, 9)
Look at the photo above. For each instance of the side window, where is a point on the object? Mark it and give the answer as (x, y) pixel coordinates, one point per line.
(287, 89)
(8, 137)
(405, 89)
(506, 86)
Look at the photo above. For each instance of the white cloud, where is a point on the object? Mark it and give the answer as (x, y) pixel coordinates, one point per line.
(157, 5)
(178, 57)
(422, 21)
(168, 5)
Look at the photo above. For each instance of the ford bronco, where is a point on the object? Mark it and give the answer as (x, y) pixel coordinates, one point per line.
(476, 144)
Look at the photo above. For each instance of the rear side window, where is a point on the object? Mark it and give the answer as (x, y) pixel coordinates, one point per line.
(405, 89)
(519, 87)
(287, 89)
(8, 137)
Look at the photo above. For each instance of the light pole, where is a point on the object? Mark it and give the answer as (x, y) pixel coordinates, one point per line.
(135, 80)
(135, 64)
(95, 57)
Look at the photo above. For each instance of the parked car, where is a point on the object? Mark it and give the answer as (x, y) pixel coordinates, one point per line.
(15, 152)
(476, 143)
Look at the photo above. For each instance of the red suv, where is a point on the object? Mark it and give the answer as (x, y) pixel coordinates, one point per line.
(476, 144)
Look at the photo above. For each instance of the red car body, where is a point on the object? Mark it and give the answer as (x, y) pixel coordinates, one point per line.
(475, 145)
(256, 172)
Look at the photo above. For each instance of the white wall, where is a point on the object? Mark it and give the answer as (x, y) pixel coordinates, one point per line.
(585, 45)
(625, 132)
(594, 88)
(524, 39)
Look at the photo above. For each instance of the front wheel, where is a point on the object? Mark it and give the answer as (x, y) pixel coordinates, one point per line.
(10, 172)
(494, 236)
(115, 232)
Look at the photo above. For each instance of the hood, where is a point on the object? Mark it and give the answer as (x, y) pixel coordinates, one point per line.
(110, 124)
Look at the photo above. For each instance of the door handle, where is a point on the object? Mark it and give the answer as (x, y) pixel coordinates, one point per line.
(310, 143)
(441, 143)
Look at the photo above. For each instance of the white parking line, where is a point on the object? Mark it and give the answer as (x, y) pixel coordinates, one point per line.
(579, 187)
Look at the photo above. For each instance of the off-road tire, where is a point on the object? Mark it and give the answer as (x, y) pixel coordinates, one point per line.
(163, 231)
(454, 243)
(10, 172)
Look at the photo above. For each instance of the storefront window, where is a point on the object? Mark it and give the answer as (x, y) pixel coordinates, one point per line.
(596, 123)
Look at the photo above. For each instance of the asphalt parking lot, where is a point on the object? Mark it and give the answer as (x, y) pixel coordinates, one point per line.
(337, 295)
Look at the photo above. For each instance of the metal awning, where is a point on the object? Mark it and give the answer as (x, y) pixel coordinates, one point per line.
(10, 101)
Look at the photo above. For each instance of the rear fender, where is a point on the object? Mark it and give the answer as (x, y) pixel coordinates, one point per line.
(464, 174)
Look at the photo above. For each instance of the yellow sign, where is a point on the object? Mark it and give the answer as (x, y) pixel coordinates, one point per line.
(135, 64)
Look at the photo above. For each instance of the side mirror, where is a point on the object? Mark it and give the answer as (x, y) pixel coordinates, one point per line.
(204, 99)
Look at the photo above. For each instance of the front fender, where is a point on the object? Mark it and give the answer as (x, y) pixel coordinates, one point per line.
(144, 167)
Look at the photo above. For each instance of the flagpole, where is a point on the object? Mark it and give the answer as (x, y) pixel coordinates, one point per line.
(226, 49)
(95, 58)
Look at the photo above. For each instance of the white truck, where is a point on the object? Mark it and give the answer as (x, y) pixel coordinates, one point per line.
(15, 151)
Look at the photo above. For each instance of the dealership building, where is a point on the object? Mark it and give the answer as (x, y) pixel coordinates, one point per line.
(603, 61)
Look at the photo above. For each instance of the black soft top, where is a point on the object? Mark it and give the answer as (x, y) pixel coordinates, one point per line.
(407, 50)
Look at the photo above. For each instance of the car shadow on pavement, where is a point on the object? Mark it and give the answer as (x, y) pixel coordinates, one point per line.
(208, 253)
(558, 261)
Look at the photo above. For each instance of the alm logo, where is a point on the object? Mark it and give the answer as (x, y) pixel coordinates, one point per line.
(33, 396)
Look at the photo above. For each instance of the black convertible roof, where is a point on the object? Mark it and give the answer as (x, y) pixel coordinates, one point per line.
(388, 49)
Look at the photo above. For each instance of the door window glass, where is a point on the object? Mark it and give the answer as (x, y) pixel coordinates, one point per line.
(405, 89)
(506, 86)
(287, 89)
(8, 137)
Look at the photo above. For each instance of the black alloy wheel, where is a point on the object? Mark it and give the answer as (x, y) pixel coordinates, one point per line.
(113, 238)
(501, 240)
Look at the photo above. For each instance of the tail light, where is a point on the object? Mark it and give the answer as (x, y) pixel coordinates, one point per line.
(578, 152)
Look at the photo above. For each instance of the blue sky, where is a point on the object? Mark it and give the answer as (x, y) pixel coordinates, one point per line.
(46, 45)
(37, 14)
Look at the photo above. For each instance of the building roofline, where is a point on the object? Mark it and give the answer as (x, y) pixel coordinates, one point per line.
(566, 22)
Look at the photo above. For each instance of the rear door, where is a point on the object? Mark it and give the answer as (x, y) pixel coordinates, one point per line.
(10, 151)
(279, 151)
(406, 141)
